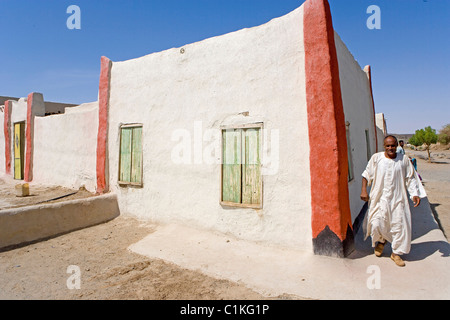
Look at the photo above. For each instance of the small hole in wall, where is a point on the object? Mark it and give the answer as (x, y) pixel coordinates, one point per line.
(182, 50)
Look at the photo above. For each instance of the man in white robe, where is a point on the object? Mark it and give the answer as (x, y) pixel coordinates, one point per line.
(391, 176)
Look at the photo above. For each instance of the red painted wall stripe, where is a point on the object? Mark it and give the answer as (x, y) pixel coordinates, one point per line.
(7, 130)
(368, 70)
(326, 121)
(102, 137)
(28, 170)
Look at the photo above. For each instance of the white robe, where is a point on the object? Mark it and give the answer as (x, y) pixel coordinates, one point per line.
(389, 215)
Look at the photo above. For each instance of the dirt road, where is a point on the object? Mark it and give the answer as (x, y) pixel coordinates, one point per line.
(108, 270)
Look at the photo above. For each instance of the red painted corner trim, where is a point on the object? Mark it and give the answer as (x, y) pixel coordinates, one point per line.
(368, 70)
(28, 170)
(326, 122)
(102, 137)
(7, 130)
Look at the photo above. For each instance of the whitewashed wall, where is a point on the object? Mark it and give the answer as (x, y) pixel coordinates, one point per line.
(193, 91)
(2, 142)
(18, 112)
(381, 130)
(65, 148)
(358, 109)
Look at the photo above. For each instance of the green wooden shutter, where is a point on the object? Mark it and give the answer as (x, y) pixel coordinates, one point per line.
(125, 154)
(130, 162)
(231, 174)
(251, 168)
(136, 156)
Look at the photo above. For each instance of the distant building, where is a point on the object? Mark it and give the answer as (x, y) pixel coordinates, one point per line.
(3, 99)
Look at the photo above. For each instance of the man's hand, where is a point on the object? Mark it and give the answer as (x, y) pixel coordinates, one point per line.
(416, 201)
(365, 196)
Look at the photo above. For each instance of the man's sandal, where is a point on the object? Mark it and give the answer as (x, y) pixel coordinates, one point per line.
(379, 248)
(398, 261)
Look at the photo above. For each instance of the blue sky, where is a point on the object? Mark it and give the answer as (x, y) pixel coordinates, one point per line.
(409, 55)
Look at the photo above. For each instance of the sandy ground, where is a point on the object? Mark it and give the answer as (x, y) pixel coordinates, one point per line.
(108, 270)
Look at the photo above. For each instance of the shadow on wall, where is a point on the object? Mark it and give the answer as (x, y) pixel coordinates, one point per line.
(423, 222)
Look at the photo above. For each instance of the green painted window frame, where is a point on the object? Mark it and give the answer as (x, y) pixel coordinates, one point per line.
(248, 173)
(130, 171)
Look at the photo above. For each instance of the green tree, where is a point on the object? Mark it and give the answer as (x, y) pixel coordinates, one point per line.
(444, 135)
(426, 136)
(413, 140)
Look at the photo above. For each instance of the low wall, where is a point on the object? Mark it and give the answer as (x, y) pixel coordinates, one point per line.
(65, 148)
(29, 224)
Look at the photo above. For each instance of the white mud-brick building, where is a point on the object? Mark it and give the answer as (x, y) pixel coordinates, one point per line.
(262, 134)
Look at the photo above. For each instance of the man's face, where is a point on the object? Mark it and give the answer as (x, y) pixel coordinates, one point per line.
(390, 147)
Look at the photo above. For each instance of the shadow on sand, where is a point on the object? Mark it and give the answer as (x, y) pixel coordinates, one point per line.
(423, 222)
